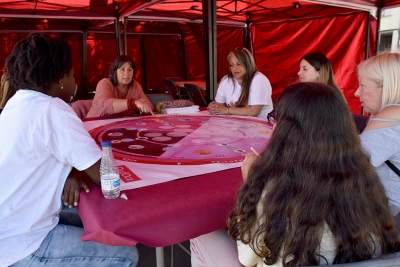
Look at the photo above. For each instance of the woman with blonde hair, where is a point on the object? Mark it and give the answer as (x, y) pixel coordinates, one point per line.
(379, 93)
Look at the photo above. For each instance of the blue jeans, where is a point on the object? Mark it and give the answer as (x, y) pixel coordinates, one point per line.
(62, 247)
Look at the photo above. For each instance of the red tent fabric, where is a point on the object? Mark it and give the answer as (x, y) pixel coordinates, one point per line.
(166, 37)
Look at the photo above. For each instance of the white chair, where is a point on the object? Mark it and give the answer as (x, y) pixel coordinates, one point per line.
(81, 107)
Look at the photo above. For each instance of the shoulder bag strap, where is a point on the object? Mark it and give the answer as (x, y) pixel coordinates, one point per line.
(397, 171)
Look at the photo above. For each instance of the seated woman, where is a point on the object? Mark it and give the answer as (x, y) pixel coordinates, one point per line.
(315, 67)
(244, 90)
(43, 142)
(311, 198)
(379, 93)
(120, 93)
(6, 91)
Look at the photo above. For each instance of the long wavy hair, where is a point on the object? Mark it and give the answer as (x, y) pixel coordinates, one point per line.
(321, 64)
(246, 59)
(313, 171)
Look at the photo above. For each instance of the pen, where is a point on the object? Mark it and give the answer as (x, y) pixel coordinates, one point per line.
(254, 151)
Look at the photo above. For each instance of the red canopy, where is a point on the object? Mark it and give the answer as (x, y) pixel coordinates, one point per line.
(166, 38)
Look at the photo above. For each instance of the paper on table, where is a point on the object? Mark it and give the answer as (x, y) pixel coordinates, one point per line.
(153, 173)
(183, 110)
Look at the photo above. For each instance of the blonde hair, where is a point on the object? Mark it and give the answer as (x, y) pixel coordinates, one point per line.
(384, 71)
(6, 90)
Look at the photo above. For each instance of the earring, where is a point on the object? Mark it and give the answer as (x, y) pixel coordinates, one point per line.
(61, 86)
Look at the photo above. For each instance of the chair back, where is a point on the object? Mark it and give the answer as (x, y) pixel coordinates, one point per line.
(175, 79)
(172, 88)
(361, 122)
(156, 98)
(389, 260)
(81, 107)
(193, 90)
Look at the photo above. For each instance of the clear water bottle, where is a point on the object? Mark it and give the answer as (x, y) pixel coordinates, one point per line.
(109, 174)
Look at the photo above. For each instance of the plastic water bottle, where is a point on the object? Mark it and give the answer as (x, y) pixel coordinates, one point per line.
(109, 174)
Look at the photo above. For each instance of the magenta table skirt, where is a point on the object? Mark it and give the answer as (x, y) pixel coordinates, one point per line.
(161, 214)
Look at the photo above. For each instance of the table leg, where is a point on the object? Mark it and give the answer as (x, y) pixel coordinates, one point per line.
(160, 256)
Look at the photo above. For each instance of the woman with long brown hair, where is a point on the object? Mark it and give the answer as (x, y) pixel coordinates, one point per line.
(244, 90)
(312, 197)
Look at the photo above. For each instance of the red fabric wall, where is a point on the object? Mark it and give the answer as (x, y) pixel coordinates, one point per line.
(101, 52)
(278, 48)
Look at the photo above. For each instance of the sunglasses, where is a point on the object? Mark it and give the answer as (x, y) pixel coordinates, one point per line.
(240, 49)
(271, 116)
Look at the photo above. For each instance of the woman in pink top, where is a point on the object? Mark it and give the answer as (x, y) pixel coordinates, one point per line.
(120, 93)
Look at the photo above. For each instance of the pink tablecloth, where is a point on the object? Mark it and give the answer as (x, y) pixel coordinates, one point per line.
(162, 214)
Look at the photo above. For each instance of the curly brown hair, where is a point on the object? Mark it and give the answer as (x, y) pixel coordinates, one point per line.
(313, 172)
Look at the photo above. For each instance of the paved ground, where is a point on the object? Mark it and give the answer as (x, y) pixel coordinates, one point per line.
(147, 256)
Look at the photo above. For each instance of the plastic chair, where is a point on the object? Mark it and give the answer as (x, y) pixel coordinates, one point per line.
(389, 260)
(81, 107)
(192, 90)
(175, 91)
(361, 122)
(155, 98)
(175, 79)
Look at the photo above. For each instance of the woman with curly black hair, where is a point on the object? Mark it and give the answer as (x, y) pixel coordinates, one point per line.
(312, 197)
(41, 141)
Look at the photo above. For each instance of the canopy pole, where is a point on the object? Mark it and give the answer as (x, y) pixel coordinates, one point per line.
(144, 64)
(117, 37)
(210, 32)
(378, 25)
(367, 44)
(125, 37)
(183, 58)
(117, 31)
(248, 39)
(84, 89)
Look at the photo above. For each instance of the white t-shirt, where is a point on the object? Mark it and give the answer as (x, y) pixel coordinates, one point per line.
(229, 91)
(40, 139)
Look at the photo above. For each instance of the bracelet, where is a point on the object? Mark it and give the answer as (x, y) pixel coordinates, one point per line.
(131, 105)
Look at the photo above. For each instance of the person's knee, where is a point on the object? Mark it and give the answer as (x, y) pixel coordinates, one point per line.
(131, 254)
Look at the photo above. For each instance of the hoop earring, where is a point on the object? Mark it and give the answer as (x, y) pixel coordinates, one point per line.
(61, 86)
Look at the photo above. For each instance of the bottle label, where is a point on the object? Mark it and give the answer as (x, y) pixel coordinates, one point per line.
(110, 181)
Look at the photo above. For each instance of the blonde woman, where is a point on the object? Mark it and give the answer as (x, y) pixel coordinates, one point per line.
(379, 93)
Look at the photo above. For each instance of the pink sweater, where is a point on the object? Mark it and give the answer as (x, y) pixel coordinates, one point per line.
(106, 92)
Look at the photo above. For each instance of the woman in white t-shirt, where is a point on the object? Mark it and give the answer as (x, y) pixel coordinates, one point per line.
(43, 145)
(244, 90)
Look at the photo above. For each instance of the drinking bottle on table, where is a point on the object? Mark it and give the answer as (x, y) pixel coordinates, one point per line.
(109, 174)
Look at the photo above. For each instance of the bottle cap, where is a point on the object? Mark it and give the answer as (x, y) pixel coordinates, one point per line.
(105, 143)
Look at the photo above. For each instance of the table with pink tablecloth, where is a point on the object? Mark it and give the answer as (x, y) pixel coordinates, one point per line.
(162, 214)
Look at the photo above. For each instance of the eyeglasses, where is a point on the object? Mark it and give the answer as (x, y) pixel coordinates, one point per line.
(271, 116)
(240, 49)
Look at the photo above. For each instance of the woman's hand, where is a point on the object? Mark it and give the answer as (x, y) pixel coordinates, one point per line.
(247, 163)
(72, 188)
(216, 108)
(144, 106)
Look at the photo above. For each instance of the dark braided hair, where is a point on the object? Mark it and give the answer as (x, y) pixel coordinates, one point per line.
(38, 61)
